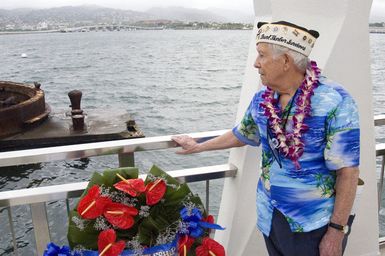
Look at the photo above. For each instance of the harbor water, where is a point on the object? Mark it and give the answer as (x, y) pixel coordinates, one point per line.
(169, 81)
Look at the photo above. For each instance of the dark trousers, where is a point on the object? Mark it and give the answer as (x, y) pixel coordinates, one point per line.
(283, 242)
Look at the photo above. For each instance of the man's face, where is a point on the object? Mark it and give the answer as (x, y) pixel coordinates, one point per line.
(269, 67)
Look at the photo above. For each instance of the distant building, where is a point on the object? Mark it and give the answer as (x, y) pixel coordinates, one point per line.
(10, 27)
(42, 25)
(27, 27)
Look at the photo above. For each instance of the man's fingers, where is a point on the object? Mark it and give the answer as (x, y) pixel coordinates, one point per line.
(178, 142)
(178, 139)
(186, 142)
(181, 152)
(181, 140)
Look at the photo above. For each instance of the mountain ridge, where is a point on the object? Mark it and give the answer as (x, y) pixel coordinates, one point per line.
(93, 14)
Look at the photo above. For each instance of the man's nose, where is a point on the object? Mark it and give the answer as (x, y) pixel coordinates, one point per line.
(257, 64)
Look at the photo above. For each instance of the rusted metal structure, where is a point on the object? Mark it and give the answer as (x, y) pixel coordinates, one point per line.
(21, 107)
(23, 112)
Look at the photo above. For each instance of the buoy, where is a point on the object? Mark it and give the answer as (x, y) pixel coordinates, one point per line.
(24, 55)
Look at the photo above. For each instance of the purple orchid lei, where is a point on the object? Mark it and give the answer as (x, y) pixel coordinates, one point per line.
(290, 144)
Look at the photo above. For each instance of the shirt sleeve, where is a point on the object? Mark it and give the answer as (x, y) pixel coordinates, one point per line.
(247, 130)
(343, 136)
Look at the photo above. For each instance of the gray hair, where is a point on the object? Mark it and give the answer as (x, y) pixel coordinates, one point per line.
(300, 60)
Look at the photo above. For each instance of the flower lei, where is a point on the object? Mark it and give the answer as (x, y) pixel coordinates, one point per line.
(290, 143)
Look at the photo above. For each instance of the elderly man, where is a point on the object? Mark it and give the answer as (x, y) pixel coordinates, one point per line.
(308, 129)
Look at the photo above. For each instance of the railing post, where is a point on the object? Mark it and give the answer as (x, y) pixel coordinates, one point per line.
(68, 207)
(207, 196)
(40, 226)
(126, 159)
(12, 228)
(381, 183)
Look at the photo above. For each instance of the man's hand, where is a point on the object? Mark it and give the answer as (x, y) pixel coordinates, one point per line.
(188, 144)
(331, 243)
(345, 188)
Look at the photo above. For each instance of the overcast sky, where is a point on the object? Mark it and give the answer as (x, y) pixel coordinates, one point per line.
(137, 5)
(378, 7)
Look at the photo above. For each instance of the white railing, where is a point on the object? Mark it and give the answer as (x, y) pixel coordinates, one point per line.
(37, 198)
(380, 152)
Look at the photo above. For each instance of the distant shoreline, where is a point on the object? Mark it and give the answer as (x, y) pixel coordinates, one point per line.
(28, 32)
(64, 32)
(372, 30)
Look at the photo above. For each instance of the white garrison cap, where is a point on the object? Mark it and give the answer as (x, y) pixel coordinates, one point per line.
(287, 34)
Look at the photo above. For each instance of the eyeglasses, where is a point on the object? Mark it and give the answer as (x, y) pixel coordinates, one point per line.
(273, 145)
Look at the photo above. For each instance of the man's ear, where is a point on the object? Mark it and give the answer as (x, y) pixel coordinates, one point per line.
(287, 61)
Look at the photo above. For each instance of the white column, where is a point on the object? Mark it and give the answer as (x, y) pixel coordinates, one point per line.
(342, 51)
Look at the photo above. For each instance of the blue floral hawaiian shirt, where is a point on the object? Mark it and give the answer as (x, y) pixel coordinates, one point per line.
(305, 196)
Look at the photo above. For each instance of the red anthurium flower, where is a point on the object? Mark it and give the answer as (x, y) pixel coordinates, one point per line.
(133, 187)
(210, 247)
(209, 219)
(184, 245)
(120, 215)
(155, 191)
(107, 245)
(92, 205)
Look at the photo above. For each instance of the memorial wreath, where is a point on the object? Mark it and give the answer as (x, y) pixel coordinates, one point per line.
(121, 214)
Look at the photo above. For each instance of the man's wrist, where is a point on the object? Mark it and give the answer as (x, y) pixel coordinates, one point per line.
(198, 148)
(337, 234)
(342, 228)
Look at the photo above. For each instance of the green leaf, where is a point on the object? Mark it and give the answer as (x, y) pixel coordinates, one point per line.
(174, 197)
(88, 237)
(110, 177)
(127, 234)
(96, 179)
(147, 232)
(157, 172)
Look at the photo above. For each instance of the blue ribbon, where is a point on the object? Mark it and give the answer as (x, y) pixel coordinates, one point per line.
(195, 224)
(54, 250)
(170, 248)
